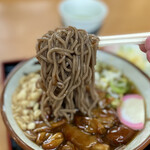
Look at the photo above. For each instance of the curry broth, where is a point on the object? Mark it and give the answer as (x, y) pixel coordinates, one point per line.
(101, 131)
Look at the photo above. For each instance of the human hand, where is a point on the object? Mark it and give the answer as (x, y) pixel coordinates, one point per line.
(146, 48)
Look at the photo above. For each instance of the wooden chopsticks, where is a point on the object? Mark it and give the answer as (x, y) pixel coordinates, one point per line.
(136, 38)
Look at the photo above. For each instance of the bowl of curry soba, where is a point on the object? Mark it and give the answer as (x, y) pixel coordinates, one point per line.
(75, 97)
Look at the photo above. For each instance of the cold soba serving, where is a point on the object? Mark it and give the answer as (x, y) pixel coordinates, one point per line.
(69, 104)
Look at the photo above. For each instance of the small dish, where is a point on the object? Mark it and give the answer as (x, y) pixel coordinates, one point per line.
(85, 14)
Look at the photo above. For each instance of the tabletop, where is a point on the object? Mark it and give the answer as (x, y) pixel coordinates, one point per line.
(23, 21)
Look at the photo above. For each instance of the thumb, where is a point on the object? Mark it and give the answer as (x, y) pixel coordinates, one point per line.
(147, 43)
(148, 55)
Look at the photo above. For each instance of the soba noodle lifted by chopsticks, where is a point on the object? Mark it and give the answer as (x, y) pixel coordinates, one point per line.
(67, 57)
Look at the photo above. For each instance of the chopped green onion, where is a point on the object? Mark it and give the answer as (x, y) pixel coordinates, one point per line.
(120, 86)
(115, 103)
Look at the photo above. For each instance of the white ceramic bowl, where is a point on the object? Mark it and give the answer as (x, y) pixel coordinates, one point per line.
(140, 79)
(83, 14)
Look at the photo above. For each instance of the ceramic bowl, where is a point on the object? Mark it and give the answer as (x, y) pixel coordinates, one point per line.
(140, 79)
(83, 14)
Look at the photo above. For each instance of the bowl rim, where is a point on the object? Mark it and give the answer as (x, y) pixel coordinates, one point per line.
(17, 138)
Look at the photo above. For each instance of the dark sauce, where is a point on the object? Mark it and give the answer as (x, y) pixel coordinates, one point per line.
(104, 128)
(83, 133)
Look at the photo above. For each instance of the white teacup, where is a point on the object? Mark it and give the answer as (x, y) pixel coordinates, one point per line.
(83, 14)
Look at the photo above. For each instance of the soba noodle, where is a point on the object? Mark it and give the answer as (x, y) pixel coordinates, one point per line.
(67, 57)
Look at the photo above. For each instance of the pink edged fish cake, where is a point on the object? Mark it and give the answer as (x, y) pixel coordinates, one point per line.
(132, 111)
